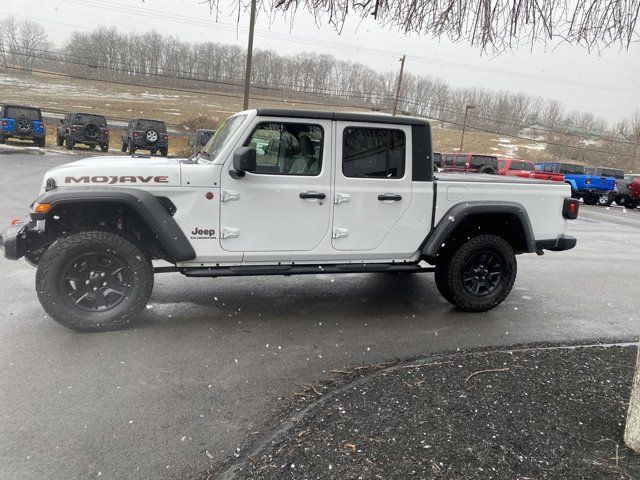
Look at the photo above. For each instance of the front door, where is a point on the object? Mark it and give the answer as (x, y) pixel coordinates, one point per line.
(372, 183)
(285, 205)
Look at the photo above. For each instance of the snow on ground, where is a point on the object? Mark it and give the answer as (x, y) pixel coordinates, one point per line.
(536, 146)
(21, 149)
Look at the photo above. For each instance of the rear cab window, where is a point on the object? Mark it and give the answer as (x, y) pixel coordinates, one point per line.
(478, 161)
(17, 112)
(156, 125)
(86, 118)
(570, 168)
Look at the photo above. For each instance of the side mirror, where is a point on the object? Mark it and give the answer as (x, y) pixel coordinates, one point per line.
(244, 160)
(191, 143)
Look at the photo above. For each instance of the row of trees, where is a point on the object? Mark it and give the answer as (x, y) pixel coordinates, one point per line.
(171, 61)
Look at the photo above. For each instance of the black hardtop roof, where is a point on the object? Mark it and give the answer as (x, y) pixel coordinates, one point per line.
(341, 116)
(146, 120)
(10, 105)
(89, 114)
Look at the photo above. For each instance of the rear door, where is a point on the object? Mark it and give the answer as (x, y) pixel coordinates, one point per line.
(372, 183)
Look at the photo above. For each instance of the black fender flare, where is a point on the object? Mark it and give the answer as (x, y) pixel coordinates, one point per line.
(146, 205)
(456, 214)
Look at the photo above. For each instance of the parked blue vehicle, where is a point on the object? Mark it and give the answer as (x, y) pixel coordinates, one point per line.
(24, 123)
(587, 187)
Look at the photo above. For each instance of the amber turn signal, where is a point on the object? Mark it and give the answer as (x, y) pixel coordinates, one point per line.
(41, 207)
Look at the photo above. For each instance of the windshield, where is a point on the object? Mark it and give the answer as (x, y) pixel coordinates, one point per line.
(17, 112)
(214, 146)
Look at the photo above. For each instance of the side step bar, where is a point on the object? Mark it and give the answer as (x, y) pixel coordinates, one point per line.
(242, 271)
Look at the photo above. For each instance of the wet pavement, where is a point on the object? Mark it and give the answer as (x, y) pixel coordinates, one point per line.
(204, 367)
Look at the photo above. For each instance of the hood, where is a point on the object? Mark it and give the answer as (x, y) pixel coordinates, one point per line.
(117, 171)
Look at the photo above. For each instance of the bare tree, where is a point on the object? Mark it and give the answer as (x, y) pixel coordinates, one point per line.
(32, 40)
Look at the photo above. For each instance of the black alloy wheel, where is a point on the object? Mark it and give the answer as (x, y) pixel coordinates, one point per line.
(96, 281)
(482, 273)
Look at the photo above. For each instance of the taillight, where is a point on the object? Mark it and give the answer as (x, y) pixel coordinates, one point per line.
(165, 137)
(5, 123)
(106, 131)
(570, 208)
(587, 181)
(135, 134)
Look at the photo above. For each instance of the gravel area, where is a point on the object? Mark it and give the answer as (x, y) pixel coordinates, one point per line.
(536, 414)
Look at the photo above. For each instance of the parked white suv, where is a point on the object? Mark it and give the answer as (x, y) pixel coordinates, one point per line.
(282, 192)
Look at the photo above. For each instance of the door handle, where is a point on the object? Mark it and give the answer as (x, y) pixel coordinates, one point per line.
(305, 195)
(389, 196)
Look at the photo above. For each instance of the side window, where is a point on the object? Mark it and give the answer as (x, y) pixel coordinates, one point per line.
(461, 161)
(287, 148)
(548, 168)
(373, 152)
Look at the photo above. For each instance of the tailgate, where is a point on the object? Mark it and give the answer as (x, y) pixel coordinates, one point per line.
(602, 183)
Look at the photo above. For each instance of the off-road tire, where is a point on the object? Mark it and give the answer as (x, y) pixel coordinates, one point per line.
(487, 170)
(631, 204)
(53, 287)
(458, 291)
(40, 142)
(59, 140)
(605, 200)
(132, 149)
(124, 147)
(590, 199)
(70, 143)
(441, 275)
(2, 140)
(104, 148)
(164, 151)
(621, 200)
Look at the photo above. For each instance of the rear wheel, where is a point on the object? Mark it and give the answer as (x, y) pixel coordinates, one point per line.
(2, 140)
(590, 199)
(605, 200)
(631, 204)
(479, 275)
(124, 147)
(59, 140)
(94, 280)
(40, 142)
(70, 143)
(104, 147)
(164, 151)
(132, 149)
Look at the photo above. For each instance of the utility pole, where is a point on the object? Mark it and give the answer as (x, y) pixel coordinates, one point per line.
(395, 104)
(247, 70)
(464, 124)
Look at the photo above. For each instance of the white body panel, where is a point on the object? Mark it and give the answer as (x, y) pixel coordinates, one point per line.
(264, 221)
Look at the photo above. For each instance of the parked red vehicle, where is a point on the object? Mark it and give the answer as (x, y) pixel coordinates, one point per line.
(633, 200)
(516, 167)
(469, 163)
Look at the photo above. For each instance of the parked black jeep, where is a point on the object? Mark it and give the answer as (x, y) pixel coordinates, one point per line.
(143, 134)
(85, 128)
(24, 123)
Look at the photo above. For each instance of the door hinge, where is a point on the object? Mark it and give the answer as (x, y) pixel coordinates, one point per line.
(340, 232)
(228, 232)
(341, 198)
(227, 195)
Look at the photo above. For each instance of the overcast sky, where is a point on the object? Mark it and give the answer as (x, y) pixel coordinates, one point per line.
(605, 84)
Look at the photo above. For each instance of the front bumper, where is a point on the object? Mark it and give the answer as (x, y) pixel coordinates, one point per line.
(563, 242)
(14, 240)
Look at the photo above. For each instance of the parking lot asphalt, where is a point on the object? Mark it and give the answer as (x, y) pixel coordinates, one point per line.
(204, 367)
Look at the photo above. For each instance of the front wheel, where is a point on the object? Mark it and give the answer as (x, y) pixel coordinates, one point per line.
(94, 280)
(479, 275)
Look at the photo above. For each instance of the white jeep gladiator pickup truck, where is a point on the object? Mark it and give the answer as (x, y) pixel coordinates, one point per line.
(281, 192)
